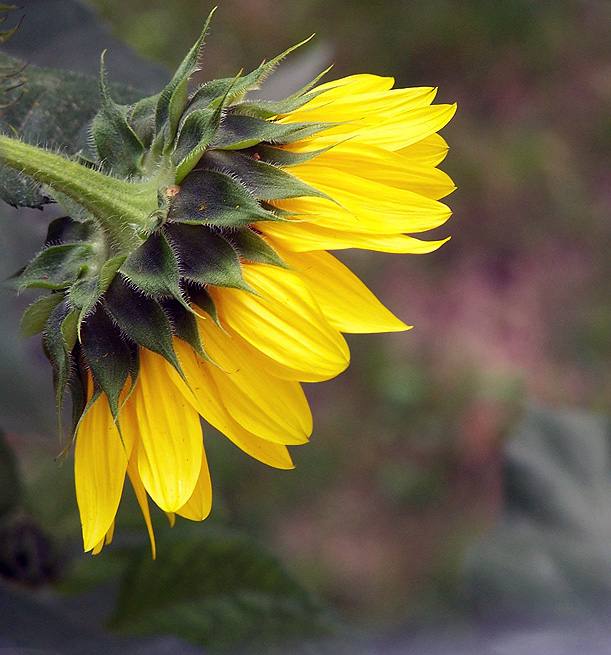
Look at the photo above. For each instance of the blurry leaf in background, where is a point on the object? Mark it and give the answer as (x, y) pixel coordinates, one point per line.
(10, 484)
(550, 556)
(220, 591)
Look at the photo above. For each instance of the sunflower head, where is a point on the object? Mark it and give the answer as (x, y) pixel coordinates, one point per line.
(191, 276)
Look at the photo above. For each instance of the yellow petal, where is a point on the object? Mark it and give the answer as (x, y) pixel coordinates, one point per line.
(199, 505)
(207, 401)
(284, 322)
(363, 108)
(384, 167)
(363, 205)
(348, 304)
(303, 236)
(393, 134)
(100, 462)
(140, 491)
(428, 152)
(170, 455)
(271, 408)
(353, 84)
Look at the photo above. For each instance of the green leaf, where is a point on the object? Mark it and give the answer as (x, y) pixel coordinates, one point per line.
(205, 256)
(119, 148)
(56, 267)
(200, 297)
(51, 107)
(264, 181)
(214, 198)
(141, 318)
(219, 591)
(550, 551)
(107, 355)
(36, 315)
(239, 131)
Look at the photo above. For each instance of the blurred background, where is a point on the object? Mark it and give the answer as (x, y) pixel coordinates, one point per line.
(458, 470)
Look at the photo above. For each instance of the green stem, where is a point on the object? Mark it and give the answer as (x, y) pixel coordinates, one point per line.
(119, 206)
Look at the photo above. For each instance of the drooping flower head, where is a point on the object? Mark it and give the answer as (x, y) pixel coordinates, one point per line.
(193, 279)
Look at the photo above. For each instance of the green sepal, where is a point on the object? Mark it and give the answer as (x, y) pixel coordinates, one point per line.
(59, 337)
(282, 157)
(214, 198)
(196, 133)
(269, 108)
(107, 355)
(141, 117)
(200, 297)
(184, 325)
(252, 247)
(141, 318)
(205, 256)
(174, 98)
(84, 294)
(118, 147)
(36, 315)
(56, 267)
(264, 181)
(211, 94)
(78, 394)
(153, 269)
(240, 131)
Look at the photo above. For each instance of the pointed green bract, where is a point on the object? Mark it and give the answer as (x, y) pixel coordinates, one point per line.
(107, 354)
(56, 267)
(37, 314)
(252, 247)
(212, 198)
(118, 146)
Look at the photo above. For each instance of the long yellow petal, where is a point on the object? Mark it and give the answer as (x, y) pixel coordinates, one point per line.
(100, 462)
(284, 322)
(382, 166)
(348, 304)
(199, 505)
(140, 491)
(364, 205)
(363, 108)
(170, 455)
(271, 408)
(428, 152)
(304, 236)
(206, 400)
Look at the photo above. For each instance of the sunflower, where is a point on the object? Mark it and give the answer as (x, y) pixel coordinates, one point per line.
(228, 299)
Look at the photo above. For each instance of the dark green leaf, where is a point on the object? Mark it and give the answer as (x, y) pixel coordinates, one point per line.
(205, 256)
(67, 230)
(217, 199)
(51, 107)
(107, 354)
(264, 181)
(56, 267)
(219, 591)
(284, 158)
(36, 315)
(141, 318)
